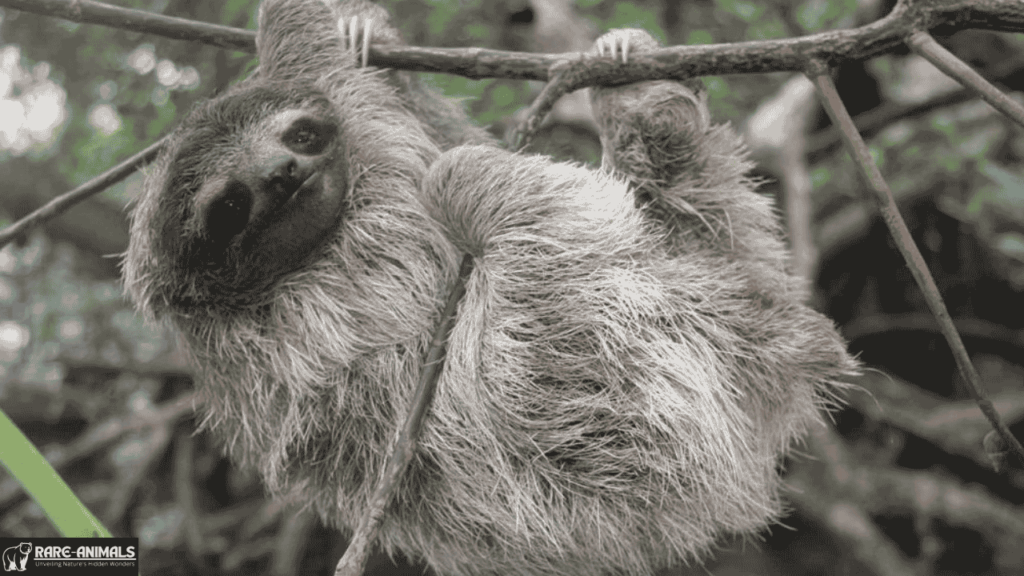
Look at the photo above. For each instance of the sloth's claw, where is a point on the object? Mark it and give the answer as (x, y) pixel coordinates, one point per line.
(367, 35)
(352, 40)
(614, 44)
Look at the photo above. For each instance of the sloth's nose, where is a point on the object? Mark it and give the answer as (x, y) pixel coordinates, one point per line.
(283, 175)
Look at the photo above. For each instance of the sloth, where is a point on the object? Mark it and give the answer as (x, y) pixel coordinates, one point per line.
(629, 363)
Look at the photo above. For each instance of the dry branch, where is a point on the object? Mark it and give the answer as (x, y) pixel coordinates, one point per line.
(62, 203)
(886, 204)
(352, 563)
(678, 62)
(89, 12)
(926, 46)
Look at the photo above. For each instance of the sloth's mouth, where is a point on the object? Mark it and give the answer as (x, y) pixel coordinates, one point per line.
(308, 187)
(312, 182)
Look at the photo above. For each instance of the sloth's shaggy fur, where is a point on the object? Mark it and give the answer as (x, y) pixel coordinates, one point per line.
(619, 383)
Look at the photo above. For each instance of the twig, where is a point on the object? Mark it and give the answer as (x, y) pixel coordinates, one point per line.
(883, 198)
(827, 140)
(352, 563)
(957, 427)
(90, 12)
(565, 78)
(58, 205)
(927, 47)
(869, 123)
(977, 328)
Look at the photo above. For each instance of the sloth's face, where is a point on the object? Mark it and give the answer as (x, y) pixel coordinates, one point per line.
(254, 190)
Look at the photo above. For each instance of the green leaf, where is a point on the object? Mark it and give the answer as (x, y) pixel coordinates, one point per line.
(45, 486)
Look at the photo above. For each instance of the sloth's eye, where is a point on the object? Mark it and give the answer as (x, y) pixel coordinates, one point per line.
(309, 136)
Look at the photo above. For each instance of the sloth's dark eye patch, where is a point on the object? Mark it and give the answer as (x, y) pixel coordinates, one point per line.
(309, 136)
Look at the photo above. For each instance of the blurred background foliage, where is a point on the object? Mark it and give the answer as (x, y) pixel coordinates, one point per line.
(105, 397)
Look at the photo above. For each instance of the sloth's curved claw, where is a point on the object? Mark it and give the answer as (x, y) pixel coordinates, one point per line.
(613, 45)
(352, 40)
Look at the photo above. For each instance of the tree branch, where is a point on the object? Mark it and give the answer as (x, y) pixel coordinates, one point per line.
(883, 198)
(352, 563)
(572, 70)
(61, 203)
(89, 12)
(678, 62)
(927, 47)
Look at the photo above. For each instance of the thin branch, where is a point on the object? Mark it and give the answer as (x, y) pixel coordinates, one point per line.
(957, 427)
(975, 328)
(352, 563)
(564, 76)
(883, 198)
(927, 47)
(90, 12)
(829, 139)
(61, 203)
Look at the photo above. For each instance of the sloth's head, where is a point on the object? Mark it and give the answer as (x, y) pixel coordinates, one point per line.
(250, 187)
